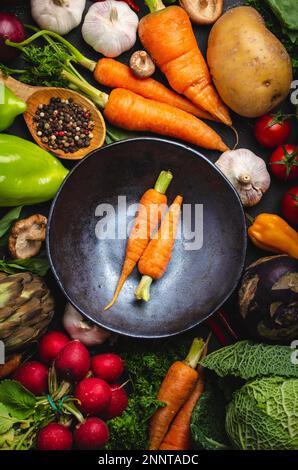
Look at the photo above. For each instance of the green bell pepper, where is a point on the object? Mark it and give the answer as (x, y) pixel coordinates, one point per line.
(10, 107)
(28, 174)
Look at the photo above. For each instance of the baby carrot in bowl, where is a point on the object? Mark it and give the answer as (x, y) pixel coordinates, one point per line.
(157, 255)
(151, 208)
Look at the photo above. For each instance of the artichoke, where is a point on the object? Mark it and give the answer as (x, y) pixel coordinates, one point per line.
(26, 309)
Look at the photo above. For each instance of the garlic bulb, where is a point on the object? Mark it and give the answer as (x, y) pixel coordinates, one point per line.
(248, 174)
(85, 331)
(110, 27)
(59, 16)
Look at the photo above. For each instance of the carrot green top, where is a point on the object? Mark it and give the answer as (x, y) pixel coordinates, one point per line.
(154, 5)
(195, 353)
(163, 181)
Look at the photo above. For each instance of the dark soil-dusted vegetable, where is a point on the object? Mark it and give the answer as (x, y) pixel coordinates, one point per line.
(268, 299)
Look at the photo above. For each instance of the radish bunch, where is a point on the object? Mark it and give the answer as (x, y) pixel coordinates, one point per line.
(93, 381)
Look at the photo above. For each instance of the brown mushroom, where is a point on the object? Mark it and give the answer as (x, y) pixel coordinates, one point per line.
(141, 64)
(203, 11)
(26, 236)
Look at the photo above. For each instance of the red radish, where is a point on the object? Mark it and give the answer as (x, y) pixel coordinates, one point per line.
(33, 375)
(108, 366)
(73, 361)
(118, 403)
(94, 395)
(54, 436)
(93, 434)
(51, 344)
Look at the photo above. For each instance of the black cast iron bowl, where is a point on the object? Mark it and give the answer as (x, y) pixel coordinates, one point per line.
(196, 283)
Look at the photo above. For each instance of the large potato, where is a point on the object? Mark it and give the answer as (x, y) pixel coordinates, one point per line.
(250, 67)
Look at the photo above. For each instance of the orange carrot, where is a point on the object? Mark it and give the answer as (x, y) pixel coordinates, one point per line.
(151, 208)
(156, 257)
(174, 391)
(128, 110)
(178, 437)
(114, 74)
(171, 44)
(10, 366)
(133, 112)
(168, 36)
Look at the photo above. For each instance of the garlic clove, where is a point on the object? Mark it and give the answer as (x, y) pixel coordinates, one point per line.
(248, 174)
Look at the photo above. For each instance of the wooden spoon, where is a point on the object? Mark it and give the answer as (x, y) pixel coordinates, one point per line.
(34, 96)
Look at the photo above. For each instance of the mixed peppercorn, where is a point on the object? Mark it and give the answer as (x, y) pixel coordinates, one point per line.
(64, 125)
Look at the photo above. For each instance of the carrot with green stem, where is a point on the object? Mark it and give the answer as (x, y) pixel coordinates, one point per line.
(114, 74)
(167, 34)
(157, 255)
(130, 111)
(178, 437)
(151, 208)
(174, 391)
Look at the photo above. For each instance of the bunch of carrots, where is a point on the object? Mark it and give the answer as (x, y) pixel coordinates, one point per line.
(152, 254)
(145, 104)
(180, 390)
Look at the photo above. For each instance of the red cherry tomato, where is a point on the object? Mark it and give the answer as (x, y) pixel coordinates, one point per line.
(290, 205)
(284, 162)
(272, 130)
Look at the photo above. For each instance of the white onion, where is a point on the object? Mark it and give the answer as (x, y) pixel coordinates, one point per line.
(78, 328)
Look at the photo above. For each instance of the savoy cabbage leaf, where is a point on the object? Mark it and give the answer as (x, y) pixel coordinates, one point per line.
(263, 415)
(248, 360)
(207, 425)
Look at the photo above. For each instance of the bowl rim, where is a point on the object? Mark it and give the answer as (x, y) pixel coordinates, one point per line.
(116, 330)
